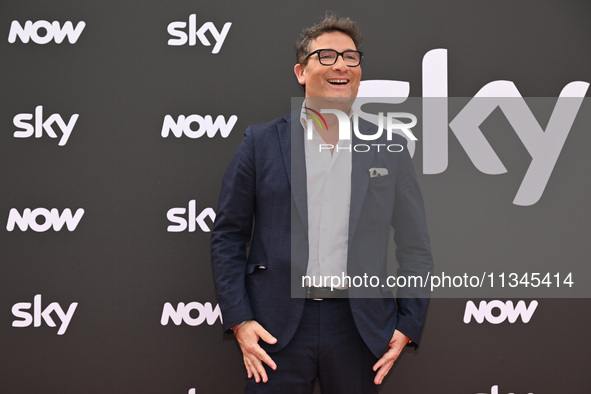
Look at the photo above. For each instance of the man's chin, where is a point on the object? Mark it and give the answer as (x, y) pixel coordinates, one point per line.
(336, 102)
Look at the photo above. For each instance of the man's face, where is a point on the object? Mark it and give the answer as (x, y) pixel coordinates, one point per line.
(337, 80)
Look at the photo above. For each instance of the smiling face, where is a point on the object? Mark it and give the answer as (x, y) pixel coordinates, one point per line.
(337, 80)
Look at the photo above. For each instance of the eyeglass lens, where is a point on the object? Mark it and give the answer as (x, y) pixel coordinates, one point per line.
(329, 57)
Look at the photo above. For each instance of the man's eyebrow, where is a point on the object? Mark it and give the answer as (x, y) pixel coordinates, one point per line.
(349, 49)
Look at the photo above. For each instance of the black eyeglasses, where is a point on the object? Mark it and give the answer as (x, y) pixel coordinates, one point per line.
(328, 57)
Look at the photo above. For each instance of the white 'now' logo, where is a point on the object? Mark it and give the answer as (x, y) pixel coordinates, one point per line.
(506, 311)
(206, 312)
(37, 125)
(203, 124)
(181, 224)
(175, 30)
(42, 32)
(39, 314)
(50, 218)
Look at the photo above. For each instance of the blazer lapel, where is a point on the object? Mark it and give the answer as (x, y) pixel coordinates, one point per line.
(291, 137)
(361, 162)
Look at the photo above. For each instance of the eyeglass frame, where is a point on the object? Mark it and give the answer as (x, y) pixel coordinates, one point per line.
(337, 57)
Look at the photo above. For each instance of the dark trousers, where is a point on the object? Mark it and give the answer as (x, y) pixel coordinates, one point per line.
(326, 346)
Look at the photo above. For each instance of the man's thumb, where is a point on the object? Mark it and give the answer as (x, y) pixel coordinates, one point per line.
(266, 336)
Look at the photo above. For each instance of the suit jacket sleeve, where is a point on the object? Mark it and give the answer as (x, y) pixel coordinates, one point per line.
(413, 250)
(231, 233)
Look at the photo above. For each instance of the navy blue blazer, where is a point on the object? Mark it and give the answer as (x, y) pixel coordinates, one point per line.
(259, 245)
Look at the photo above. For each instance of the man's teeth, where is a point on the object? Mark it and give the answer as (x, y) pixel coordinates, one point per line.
(337, 81)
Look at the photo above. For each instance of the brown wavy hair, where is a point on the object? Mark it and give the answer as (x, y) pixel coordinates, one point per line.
(329, 24)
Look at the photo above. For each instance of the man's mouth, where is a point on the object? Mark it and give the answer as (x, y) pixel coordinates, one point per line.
(338, 81)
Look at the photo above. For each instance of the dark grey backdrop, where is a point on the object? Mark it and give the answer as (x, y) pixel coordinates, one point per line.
(122, 266)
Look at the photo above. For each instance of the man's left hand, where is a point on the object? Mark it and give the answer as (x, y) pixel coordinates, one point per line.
(397, 343)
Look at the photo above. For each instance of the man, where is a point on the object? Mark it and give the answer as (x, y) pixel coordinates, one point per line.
(283, 192)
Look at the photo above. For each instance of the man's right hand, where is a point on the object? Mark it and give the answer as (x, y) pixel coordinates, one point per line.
(248, 335)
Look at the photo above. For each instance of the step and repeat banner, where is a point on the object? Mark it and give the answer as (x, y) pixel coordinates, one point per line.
(118, 119)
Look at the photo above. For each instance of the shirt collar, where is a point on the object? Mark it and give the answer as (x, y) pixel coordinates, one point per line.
(304, 117)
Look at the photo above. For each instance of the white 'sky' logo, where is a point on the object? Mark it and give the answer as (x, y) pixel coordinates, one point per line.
(175, 29)
(43, 32)
(506, 311)
(495, 390)
(175, 215)
(543, 144)
(34, 125)
(196, 126)
(49, 218)
(41, 314)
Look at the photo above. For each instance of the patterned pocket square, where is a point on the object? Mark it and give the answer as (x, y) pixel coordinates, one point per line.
(375, 172)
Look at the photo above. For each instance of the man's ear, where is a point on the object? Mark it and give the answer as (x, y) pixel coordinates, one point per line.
(299, 70)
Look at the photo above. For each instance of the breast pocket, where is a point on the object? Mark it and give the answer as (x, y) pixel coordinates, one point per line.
(380, 199)
(378, 181)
